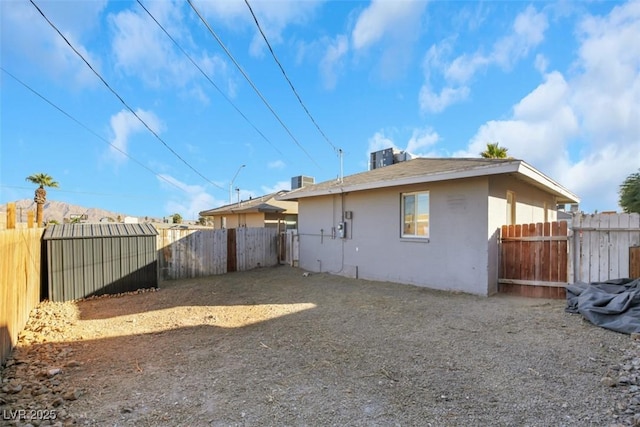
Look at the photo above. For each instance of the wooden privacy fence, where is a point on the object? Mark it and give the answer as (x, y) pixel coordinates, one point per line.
(289, 250)
(540, 259)
(606, 246)
(534, 259)
(20, 269)
(185, 253)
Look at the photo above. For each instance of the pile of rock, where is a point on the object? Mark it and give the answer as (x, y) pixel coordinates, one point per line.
(33, 390)
(626, 377)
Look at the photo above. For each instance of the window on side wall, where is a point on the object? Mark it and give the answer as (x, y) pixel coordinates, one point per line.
(415, 215)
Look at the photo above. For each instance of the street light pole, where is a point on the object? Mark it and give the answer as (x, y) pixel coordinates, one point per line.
(231, 184)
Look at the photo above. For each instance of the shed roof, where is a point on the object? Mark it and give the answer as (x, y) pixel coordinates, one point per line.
(422, 170)
(258, 204)
(87, 231)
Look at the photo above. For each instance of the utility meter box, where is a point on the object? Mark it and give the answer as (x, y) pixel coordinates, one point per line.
(342, 230)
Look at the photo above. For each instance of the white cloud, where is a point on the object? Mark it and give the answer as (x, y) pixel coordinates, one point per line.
(143, 51)
(608, 88)
(541, 63)
(26, 34)
(420, 143)
(594, 114)
(274, 17)
(280, 185)
(277, 164)
(333, 60)
(395, 26)
(436, 102)
(464, 67)
(527, 32)
(228, 11)
(543, 122)
(379, 141)
(383, 17)
(123, 125)
(422, 139)
(190, 201)
(547, 97)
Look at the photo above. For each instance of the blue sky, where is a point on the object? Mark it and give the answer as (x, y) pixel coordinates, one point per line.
(557, 83)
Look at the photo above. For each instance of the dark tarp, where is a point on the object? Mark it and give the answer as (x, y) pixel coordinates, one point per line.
(614, 304)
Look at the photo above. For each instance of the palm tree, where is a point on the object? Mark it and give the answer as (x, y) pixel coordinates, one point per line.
(494, 151)
(42, 180)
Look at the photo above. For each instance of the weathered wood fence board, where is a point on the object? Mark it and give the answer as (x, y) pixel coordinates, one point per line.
(534, 259)
(256, 247)
(593, 248)
(634, 262)
(535, 252)
(602, 245)
(20, 269)
(185, 253)
(289, 247)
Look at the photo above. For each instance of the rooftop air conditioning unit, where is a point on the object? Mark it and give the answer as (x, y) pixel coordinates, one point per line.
(301, 181)
(381, 158)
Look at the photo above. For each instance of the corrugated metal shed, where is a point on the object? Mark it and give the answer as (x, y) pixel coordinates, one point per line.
(94, 259)
(80, 231)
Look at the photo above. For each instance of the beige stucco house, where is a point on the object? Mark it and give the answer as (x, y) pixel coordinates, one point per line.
(264, 211)
(426, 222)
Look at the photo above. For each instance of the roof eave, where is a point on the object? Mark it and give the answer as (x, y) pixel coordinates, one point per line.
(562, 194)
(517, 166)
(501, 168)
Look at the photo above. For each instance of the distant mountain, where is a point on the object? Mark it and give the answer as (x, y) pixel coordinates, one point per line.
(63, 212)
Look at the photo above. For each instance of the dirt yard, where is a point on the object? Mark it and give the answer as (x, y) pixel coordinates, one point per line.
(272, 347)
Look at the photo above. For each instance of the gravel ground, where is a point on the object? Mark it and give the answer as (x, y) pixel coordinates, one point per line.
(272, 347)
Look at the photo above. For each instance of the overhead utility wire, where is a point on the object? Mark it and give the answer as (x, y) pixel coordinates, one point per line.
(209, 79)
(122, 100)
(87, 128)
(295, 92)
(213, 33)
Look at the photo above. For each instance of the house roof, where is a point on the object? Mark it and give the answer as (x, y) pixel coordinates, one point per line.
(424, 170)
(87, 231)
(266, 203)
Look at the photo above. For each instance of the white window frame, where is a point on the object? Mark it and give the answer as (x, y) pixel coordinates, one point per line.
(409, 228)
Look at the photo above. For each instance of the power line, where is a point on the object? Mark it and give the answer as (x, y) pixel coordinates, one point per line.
(244, 74)
(295, 92)
(122, 100)
(87, 128)
(209, 79)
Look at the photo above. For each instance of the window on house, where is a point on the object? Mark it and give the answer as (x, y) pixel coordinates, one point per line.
(511, 208)
(415, 214)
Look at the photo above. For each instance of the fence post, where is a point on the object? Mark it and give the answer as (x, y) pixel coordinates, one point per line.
(11, 215)
(570, 254)
(634, 262)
